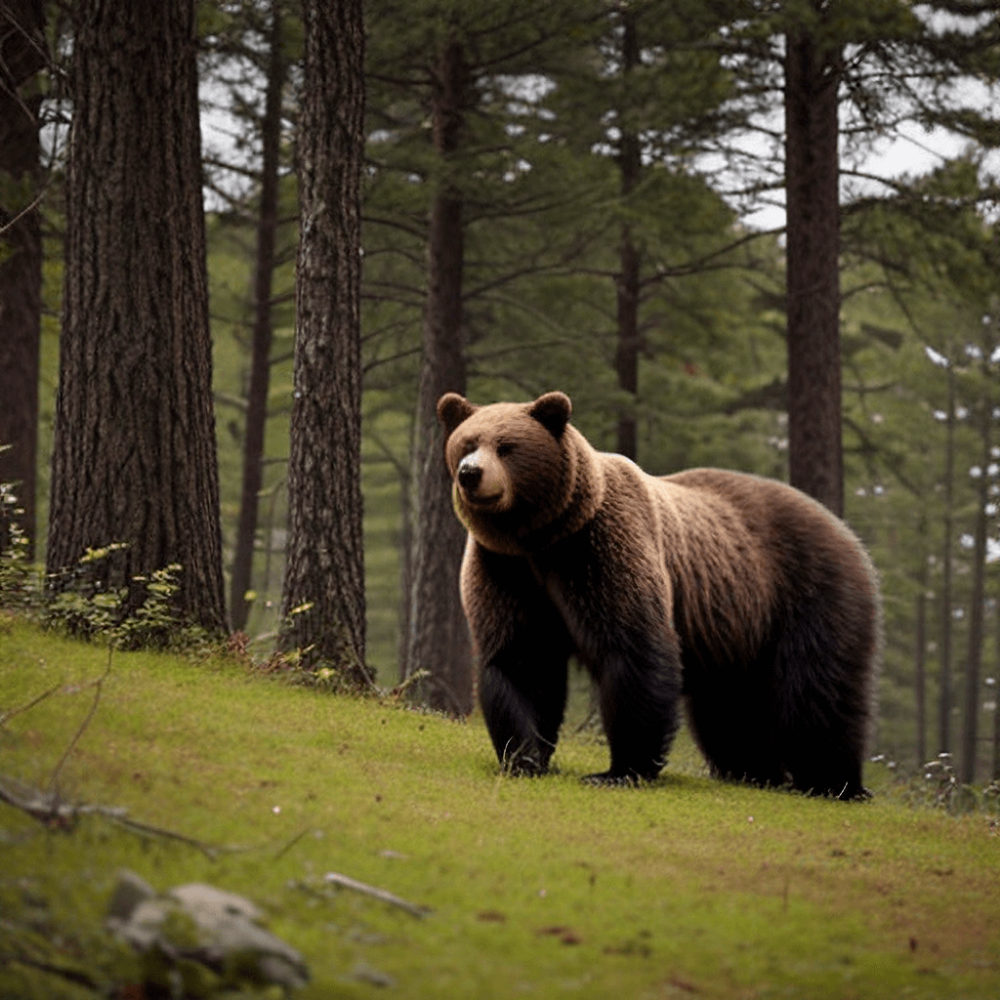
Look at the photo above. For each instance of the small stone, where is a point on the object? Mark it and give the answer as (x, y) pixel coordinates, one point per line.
(197, 922)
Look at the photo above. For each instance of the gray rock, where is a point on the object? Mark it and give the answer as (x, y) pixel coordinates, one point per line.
(200, 923)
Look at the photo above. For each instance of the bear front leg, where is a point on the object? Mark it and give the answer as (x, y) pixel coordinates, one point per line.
(523, 650)
(639, 688)
(523, 711)
(618, 607)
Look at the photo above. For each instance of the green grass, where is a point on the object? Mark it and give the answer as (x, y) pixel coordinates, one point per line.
(544, 887)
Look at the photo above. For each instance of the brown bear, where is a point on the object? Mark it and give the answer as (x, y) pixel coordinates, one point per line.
(739, 596)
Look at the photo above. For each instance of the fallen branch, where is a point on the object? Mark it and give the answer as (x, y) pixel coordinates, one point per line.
(122, 819)
(6, 716)
(344, 882)
(287, 847)
(98, 685)
(335, 878)
(50, 809)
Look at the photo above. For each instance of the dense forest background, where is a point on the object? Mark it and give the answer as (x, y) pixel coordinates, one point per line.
(582, 196)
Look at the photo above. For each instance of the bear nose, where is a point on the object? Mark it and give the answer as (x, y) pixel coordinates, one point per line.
(469, 475)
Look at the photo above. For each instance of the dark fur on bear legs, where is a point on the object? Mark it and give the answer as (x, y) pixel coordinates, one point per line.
(524, 651)
(526, 622)
(633, 657)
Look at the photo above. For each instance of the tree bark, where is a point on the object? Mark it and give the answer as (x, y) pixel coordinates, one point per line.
(627, 285)
(944, 673)
(22, 54)
(134, 456)
(323, 600)
(439, 638)
(812, 76)
(996, 718)
(973, 663)
(920, 667)
(260, 362)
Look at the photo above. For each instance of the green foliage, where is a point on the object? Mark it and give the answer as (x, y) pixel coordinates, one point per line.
(115, 618)
(16, 573)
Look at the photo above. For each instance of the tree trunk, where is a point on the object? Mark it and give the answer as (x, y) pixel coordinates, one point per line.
(260, 363)
(406, 546)
(920, 668)
(920, 677)
(134, 457)
(323, 598)
(629, 341)
(22, 54)
(970, 734)
(439, 638)
(944, 673)
(996, 714)
(813, 282)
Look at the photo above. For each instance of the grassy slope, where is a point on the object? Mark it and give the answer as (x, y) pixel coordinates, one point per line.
(537, 887)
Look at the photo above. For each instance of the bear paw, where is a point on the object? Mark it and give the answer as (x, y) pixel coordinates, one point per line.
(609, 779)
(523, 766)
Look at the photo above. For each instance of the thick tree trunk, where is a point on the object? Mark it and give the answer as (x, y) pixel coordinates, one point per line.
(134, 454)
(260, 361)
(813, 280)
(438, 638)
(627, 285)
(22, 54)
(323, 602)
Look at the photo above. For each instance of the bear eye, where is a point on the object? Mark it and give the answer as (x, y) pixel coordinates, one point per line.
(504, 449)
(470, 446)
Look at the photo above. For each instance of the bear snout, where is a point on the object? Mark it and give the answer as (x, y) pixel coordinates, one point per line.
(480, 479)
(470, 474)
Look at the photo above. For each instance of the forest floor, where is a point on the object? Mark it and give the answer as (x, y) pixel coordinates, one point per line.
(534, 887)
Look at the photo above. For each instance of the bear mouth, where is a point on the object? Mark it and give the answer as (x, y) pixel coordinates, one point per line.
(475, 500)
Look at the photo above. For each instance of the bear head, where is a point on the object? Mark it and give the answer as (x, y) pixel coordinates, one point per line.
(517, 469)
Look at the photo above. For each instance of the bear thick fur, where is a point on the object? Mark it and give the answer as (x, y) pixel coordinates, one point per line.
(738, 596)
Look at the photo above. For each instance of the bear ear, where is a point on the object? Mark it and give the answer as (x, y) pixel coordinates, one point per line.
(552, 411)
(452, 409)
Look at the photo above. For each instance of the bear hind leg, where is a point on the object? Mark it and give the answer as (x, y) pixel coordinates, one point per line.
(823, 682)
(735, 737)
(824, 763)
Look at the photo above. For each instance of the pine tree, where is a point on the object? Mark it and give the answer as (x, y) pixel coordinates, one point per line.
(812, 132)
(276, 71)
(22, 55)
(855, 70)
(323, 603)
(134, 460)
(449, 67)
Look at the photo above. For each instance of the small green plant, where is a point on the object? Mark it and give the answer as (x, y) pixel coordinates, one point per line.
(141, 615)
(937, 785)
(291, 667)
(302, 665)
(18, 577)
